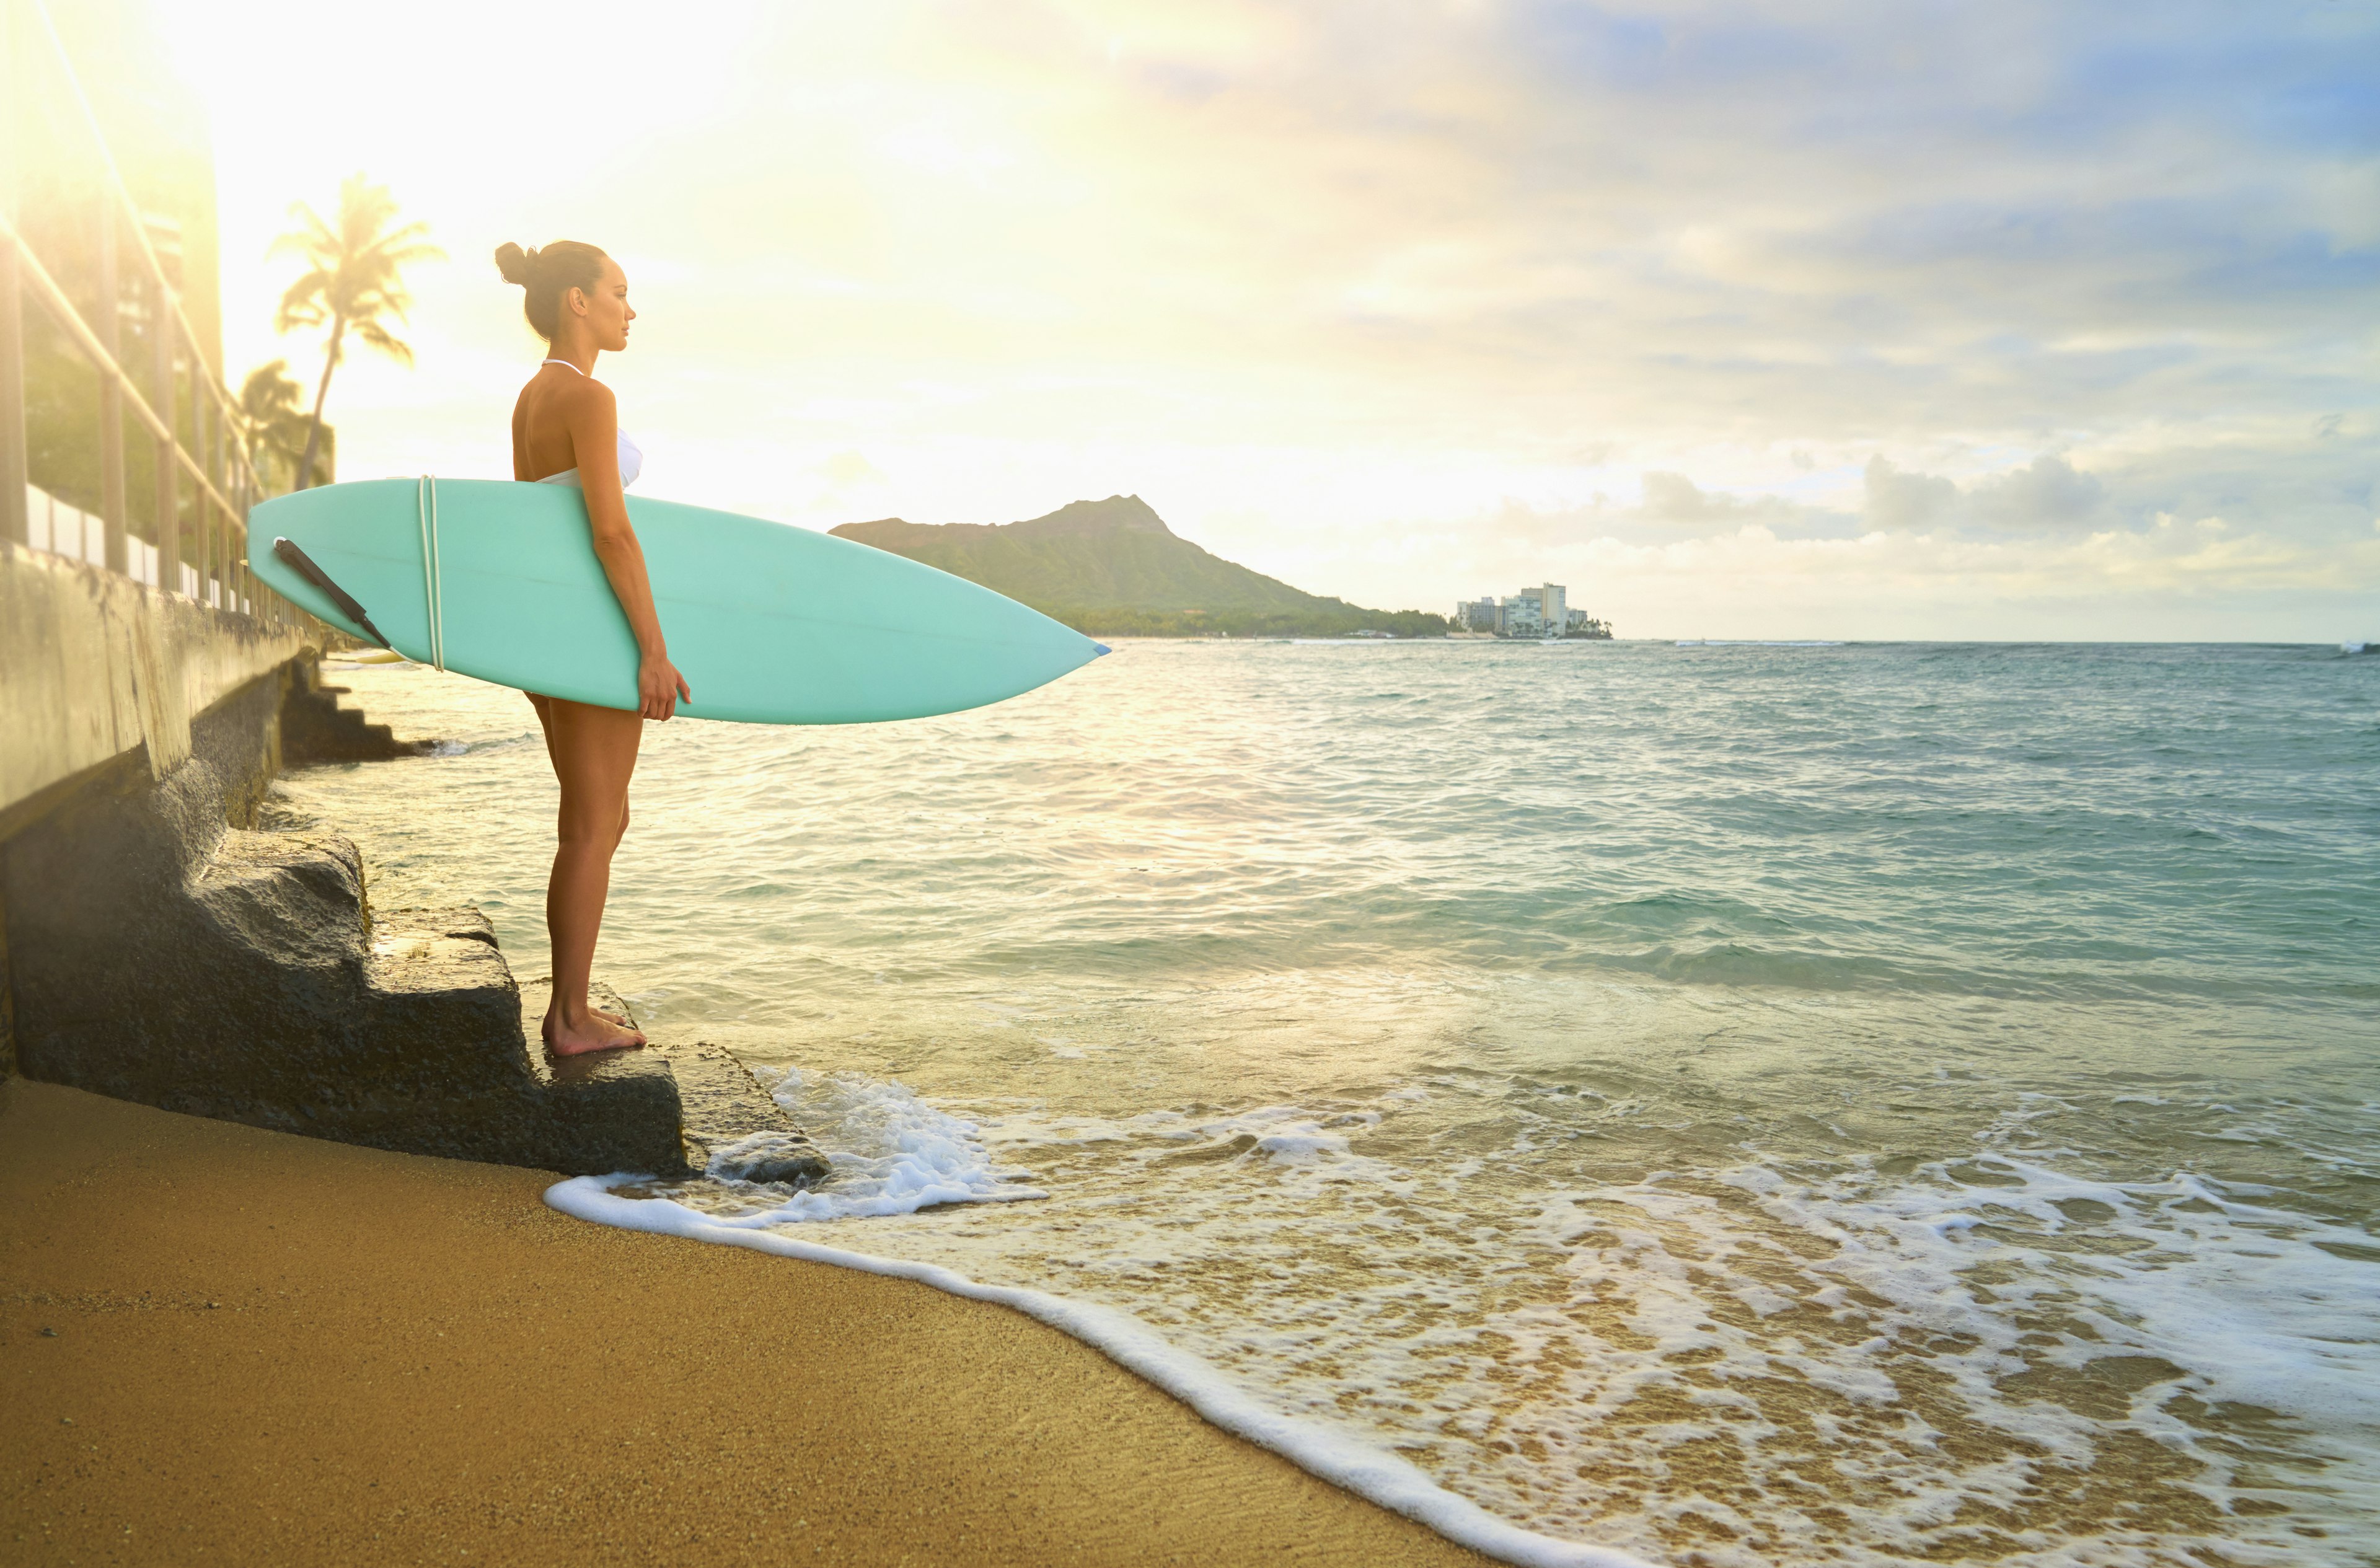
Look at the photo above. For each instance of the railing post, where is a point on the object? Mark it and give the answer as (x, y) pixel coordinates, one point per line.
(169, 499)
(225, 485)
(210, 456)
(15, 470)
(15, 474)
(235, 546)
(111, 396)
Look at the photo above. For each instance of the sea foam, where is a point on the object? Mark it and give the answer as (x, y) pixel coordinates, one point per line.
(892, 1153)
(1280, 1269)
(1710, 1209)
(1382, 1478)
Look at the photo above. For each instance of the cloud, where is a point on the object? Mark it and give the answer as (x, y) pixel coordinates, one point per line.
(2044, 496)
(1905, 501)
(2272, 538)
(1673, 498)
(2047, 495)
(1671, 504)
(1330, 283)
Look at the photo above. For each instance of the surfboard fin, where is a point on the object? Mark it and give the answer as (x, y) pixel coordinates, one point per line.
(297, 561)
(1101, 648)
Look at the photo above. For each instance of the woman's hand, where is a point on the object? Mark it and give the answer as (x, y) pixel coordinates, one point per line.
(659, 688)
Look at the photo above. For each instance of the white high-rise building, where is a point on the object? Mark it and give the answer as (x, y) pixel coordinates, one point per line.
(1541, 610)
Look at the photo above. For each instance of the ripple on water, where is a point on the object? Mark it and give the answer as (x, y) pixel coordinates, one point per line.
(1736, 1104)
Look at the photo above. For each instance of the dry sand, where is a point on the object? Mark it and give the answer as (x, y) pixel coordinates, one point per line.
(273, 1349)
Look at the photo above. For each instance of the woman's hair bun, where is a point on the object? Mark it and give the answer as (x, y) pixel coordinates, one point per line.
(548, 273)
(516, 264)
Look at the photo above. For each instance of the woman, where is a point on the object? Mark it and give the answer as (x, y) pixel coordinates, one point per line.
(566, 431)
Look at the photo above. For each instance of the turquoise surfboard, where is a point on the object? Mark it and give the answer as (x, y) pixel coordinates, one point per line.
(769, 624)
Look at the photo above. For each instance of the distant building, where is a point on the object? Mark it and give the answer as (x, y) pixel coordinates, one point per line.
(1540, 611)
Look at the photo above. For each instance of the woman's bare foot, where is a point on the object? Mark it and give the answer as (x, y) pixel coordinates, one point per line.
(597, 1031)
(545, 1029)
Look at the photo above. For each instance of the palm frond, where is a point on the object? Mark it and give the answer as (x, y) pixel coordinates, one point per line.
(353, 282)
(302, 302)
(268, 391)
(312, 238)
(270, 419)
(377, 336)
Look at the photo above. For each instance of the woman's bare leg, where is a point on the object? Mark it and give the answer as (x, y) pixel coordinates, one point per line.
(545, 724)
(594, 753)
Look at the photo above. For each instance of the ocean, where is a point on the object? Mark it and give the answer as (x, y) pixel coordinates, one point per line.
(1726, 1105)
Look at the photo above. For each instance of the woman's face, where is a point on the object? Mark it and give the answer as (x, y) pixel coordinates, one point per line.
(606, 307)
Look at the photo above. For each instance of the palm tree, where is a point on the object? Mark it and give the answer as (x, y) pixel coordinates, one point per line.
(353, 279)
(272, 423)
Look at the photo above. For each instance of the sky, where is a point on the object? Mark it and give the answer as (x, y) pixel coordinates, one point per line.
(1811, 319)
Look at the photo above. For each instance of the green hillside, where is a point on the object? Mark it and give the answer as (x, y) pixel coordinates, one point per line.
(1113, 568)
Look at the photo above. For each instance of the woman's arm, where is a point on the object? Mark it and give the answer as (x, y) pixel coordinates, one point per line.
(594, 422)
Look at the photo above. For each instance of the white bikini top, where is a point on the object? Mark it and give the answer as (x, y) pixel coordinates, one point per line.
(632, 456)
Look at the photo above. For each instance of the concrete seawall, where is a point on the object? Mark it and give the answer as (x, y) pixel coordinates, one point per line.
(97, 672)
(161, 940)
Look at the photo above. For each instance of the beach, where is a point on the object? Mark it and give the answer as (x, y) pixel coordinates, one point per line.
(1572, 788)
(1736, 1106)
(1851, 1105)
(271, 1348)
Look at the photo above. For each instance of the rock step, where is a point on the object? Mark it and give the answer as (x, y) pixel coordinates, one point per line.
(156, 951)
(729, 1125)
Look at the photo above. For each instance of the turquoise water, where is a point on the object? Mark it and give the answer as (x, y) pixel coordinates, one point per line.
(1732, 1104)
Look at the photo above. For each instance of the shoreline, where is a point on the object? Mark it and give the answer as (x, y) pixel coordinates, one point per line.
(267, 1346)
(1376, 1474)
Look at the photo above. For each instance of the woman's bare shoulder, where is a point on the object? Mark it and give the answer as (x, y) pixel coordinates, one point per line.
(584, 396)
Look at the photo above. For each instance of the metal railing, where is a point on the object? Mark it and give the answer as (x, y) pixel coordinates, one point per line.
(225, 484)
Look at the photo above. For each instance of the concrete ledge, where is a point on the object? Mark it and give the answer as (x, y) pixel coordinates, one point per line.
(154, 947)
(94, 665)
(158, 954)
(728, 1125)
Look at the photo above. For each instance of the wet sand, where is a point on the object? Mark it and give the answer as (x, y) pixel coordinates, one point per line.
(274, 1349)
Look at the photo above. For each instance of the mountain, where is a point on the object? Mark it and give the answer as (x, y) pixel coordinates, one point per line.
(1114, 567)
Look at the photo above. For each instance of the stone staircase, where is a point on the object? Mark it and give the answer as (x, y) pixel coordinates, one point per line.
(315, 729)
(156, 954)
